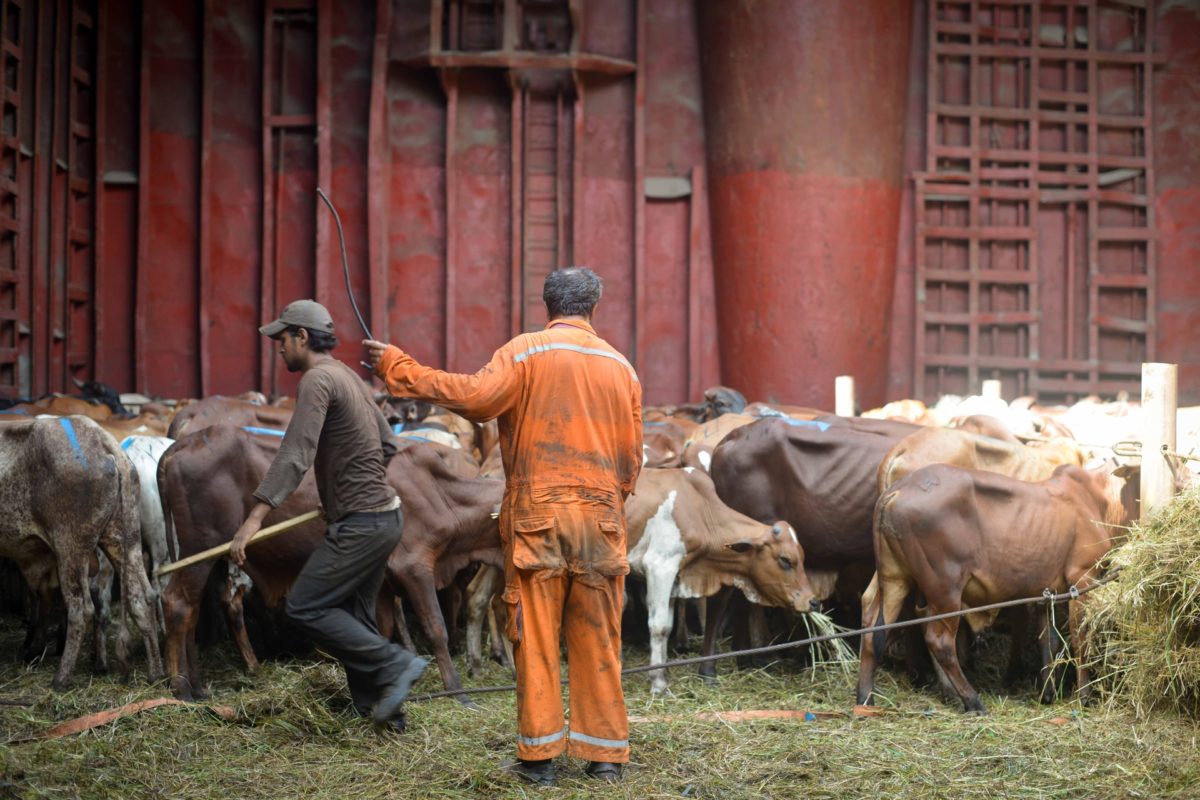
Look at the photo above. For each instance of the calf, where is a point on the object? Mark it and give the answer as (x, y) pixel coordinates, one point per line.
(67, 489)
(965, 538)
(687, 543)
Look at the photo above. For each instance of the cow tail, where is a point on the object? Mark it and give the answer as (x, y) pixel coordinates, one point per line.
(168, 519)
(881, 526)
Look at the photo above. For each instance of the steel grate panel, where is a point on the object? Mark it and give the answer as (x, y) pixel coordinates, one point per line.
(1034, 240)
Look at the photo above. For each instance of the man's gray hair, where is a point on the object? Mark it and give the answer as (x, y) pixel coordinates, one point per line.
(572, 292)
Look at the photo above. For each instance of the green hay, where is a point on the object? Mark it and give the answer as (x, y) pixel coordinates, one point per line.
(1145, 625)
(295, 737)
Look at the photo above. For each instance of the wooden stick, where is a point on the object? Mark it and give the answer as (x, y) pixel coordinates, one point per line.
(223, 549)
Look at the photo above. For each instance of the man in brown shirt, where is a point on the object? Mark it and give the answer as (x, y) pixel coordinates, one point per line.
(336, 428)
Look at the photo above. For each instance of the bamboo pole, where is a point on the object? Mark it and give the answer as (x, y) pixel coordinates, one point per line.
(1160, 395)
(223, 549)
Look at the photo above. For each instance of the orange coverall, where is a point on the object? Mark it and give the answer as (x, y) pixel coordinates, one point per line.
(570, 415)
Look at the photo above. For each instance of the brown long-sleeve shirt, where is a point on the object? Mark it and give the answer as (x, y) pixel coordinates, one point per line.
(337, 429)
(569, 406)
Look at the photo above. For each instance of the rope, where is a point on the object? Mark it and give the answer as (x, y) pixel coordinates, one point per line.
(1047, 596)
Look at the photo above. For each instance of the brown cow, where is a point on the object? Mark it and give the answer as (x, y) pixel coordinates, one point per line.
(228, 410)
(687, 543)
(67, 489)
(207, 479)
(662, 439)
(700, 443)
(964, 449)
(966, 538)
(819, 476)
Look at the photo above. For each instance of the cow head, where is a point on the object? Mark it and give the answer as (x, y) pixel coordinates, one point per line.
(774, 569)
(97, 392)
(722, 400)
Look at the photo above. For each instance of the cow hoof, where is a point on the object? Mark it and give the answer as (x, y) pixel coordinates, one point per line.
(466, 702)
(100, 669)
(182, 688)
(60, 684)
(709, 680)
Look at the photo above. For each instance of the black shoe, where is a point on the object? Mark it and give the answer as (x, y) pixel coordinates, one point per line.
(539, 773)
(394, 695)
(604, 770)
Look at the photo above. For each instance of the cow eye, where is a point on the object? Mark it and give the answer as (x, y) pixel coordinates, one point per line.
(785, 563)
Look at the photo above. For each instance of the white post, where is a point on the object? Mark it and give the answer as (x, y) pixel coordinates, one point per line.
(1160, 396)
(843, 395)
(991, 389)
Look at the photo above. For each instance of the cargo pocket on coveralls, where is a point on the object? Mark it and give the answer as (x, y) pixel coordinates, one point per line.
(609, 557)
(512, 604)
(535, 544)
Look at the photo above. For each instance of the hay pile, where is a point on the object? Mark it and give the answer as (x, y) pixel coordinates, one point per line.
(1145, 626)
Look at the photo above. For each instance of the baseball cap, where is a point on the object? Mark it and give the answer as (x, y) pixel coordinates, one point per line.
(301, 313)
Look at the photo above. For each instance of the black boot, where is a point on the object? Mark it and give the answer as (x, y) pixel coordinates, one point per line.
(539, 773)
(604, 771)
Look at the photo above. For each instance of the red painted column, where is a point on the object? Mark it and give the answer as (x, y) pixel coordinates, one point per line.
(804, 104)
(1177, 205)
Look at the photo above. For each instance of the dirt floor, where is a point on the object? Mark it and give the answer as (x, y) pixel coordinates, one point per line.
(293, 736)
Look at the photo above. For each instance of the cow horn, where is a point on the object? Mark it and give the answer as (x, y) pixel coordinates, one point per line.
(78, 383)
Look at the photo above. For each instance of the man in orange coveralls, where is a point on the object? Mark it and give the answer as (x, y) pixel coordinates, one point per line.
(570, 413)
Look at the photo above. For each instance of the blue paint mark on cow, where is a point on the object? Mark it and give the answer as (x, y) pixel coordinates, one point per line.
(411, 438)
(807, 423)
(126, 442)
(262, 431)
(20, 412)
(69, 427)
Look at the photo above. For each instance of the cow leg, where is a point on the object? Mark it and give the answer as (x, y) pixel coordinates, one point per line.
(422, 594)
(181, 608)
(101, 592)
(660, 578)
(716, 605)
(882, 604)
(233, 604)
(1019, 630)
(940, 637)
(1079, 642)
(77, 596)
(480, 592)
(401, 623)
(121, 542)
(1050, 647)
(502, 649)
(680, 634)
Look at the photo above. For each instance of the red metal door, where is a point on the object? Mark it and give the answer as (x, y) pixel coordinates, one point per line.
(1035, 237)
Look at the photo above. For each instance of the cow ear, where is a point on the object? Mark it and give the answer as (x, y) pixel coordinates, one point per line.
(1125, 471)
(743, 546)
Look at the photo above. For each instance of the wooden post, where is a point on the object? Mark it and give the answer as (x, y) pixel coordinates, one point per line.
(991, 390)
(843, 395)
(1160, 394)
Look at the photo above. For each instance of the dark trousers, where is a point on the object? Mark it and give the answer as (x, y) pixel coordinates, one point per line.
(333, 601)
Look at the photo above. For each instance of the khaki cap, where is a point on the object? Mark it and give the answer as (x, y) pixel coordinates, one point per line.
(301, 313)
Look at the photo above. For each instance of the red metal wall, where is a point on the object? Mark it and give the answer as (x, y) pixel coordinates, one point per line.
(1177, 154)
(470, 148)
(805, 105)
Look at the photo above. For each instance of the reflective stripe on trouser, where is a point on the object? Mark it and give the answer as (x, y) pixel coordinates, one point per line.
(587, 609)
